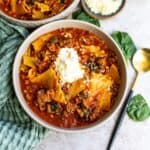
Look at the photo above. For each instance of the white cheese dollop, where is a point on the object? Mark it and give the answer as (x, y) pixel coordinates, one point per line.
(68, 66)
(105, 7)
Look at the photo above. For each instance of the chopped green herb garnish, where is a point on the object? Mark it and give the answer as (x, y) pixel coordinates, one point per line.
(53, 106)
(54, 40)
(86, 113)
(83, 95)
(93, 66)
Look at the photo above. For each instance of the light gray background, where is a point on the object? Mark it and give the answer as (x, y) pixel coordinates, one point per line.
(134, 19)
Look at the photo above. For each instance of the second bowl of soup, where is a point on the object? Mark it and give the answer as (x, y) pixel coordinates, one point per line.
(33, 13)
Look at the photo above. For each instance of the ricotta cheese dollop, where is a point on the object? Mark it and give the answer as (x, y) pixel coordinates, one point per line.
(68, 65)
(105, 7)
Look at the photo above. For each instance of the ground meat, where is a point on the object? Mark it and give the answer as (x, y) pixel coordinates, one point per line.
(70, 107)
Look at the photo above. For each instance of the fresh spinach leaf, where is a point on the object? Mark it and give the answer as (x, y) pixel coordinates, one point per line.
(81, 15)
(76, 13)
(125, 42)
(138, 109)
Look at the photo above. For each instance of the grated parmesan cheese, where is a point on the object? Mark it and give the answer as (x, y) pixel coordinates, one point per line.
(68, 66)
(105, 7)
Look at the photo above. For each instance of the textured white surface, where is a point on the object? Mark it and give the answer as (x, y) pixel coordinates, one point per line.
(134, 19)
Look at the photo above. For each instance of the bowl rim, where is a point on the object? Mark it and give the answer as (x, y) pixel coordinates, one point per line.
(22, 100)
(62, 14)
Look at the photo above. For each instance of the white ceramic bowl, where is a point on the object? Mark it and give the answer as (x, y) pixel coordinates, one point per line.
(99, 16)
(36, 23)
(65, 24)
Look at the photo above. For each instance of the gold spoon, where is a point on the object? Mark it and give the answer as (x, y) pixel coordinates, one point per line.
(141, 64)
(141, 60)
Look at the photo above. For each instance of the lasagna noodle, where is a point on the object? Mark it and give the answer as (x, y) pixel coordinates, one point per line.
(50, 79)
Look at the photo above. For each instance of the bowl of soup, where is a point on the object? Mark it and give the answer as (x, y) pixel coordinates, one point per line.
(69, 76)
(33, 13)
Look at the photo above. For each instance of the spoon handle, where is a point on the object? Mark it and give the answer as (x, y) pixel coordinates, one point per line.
(119, 119)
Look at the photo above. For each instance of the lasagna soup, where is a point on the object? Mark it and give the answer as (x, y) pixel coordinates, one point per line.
(33, 9)
(69, 77)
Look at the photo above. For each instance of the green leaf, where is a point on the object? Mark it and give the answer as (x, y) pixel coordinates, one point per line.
(54, 40)
(62, 1)
(81, 15)
(53, 106)
(126, 44)
(138, 109)
(76, 14)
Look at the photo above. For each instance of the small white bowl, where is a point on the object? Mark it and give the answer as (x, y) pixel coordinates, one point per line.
(100, 16)
(67, 24)
(36, 23)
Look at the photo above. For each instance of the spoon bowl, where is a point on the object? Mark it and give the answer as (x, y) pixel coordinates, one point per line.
(141, 60)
